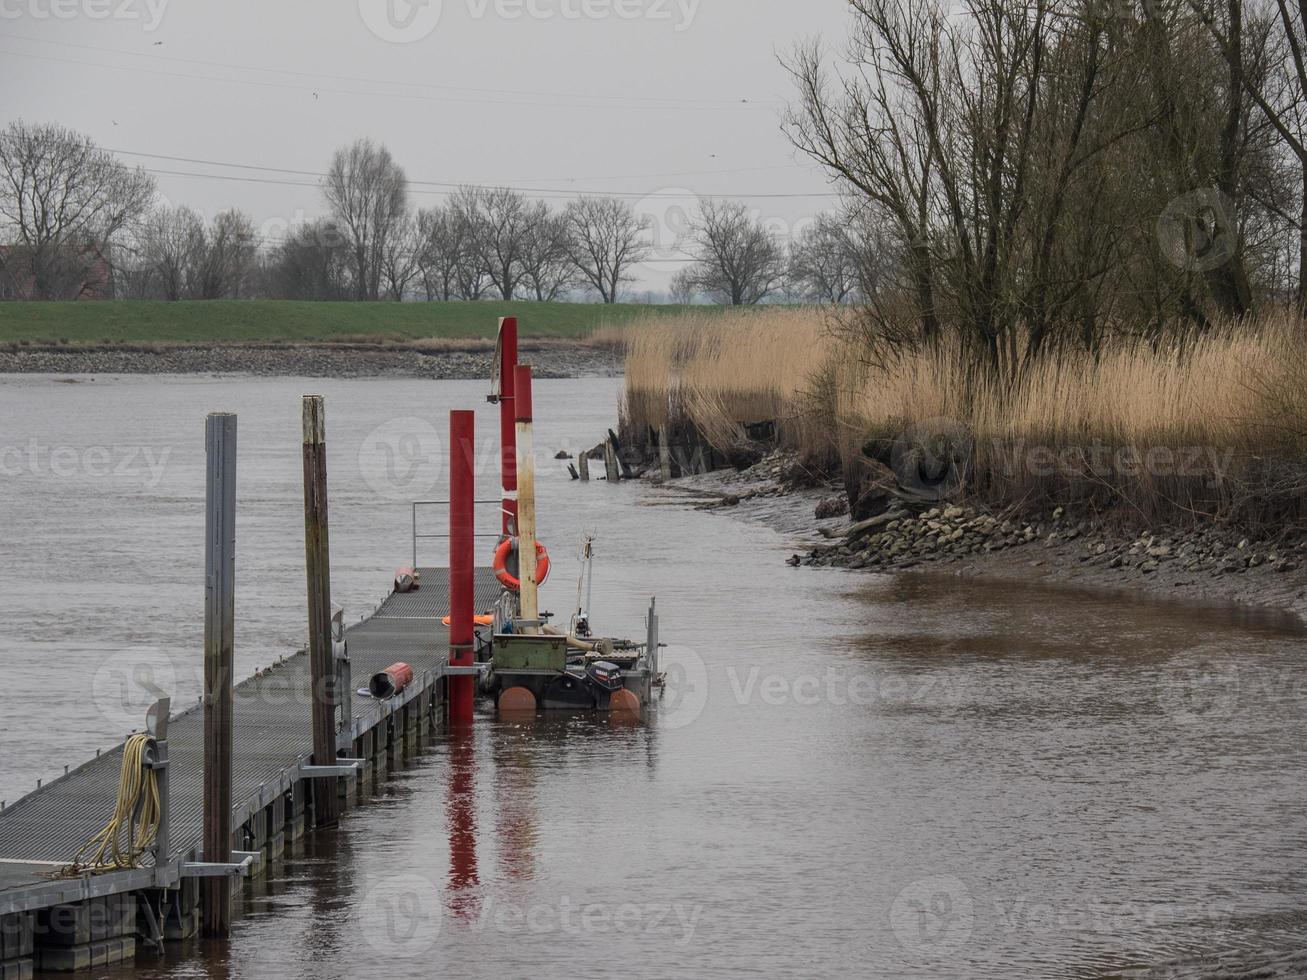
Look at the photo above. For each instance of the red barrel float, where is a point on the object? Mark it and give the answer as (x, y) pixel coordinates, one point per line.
(390, 681)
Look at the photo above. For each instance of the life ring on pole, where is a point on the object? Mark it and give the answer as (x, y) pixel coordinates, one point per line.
(507, 551)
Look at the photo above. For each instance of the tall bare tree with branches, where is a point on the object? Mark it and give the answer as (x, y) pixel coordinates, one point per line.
(62, 202)
(737, 261)
(606, 239)
(367, 192)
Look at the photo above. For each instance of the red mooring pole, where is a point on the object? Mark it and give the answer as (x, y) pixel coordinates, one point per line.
(462, 556)
(507, 420)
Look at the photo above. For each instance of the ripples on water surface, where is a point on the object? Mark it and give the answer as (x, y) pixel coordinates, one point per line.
(862, 776)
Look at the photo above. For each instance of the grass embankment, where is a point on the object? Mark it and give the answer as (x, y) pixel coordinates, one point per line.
(1214, 430)
(132, 322)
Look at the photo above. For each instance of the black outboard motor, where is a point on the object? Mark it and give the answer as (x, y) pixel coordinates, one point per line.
(584, 688)
(605, 680)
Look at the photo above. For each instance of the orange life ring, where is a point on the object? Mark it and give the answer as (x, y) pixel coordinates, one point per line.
(506, 578)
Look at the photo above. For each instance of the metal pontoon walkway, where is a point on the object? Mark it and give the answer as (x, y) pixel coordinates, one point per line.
(272, 738)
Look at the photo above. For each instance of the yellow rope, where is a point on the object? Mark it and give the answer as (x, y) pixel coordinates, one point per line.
(137, 785)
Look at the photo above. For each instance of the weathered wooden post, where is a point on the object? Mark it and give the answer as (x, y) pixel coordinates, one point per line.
(219, 661)
(526, 500)
(317, 559)
(583, 461)
(664, 453)
(462, 559)
(611, 468)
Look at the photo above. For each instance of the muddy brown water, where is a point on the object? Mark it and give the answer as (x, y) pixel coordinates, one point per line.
(851, 775)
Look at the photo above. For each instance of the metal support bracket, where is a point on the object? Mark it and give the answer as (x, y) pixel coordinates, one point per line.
(204, 869)
(476, 670)
(347, 767)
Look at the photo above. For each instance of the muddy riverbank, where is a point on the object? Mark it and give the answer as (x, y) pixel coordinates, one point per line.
(455, 360)
(1203, 563)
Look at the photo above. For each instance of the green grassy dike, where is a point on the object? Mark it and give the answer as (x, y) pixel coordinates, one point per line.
(283, 321)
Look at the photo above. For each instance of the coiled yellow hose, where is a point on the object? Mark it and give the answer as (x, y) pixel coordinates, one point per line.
(137, 786)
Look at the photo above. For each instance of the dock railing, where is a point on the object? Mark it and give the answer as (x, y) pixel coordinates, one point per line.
(419, 537)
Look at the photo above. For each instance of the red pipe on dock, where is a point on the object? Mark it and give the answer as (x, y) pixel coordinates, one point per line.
(507, 420)
(462, 557)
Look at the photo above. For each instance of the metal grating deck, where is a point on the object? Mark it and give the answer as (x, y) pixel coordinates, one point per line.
(272, 736)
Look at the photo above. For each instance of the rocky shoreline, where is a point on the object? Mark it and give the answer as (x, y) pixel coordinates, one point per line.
(455, 361)
(1209, 564)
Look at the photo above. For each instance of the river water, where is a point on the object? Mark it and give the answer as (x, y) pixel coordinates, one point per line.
(852, 775)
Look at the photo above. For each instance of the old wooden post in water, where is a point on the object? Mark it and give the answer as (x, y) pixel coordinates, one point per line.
(526, 500)
(664, 453)
(611, 468)
(317, 558)
(219, 644)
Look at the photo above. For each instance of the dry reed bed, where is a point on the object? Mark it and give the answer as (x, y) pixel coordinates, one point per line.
(1218, 429)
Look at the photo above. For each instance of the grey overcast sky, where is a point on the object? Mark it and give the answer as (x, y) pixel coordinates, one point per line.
(658, 100)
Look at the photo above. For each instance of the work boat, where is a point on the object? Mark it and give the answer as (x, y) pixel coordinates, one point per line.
(522, 661)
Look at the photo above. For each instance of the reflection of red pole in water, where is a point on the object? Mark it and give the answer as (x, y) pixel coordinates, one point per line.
(462, 556)
(464, 902)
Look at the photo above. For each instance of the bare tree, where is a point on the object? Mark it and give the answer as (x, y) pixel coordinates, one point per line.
(464, 250)
(607, 238)
(368, 195)
(312, 264)
(547, 267)
(225, 257)
(439, 247)
(825, 262)
(500, 221)
(401, 263)
(1264, 46)
(736, 260)
(170, 240)
(62, 200)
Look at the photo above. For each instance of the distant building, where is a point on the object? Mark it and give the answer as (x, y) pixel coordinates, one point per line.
(80, 273)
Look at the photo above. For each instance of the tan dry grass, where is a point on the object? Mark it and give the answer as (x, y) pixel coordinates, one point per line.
(720, 369)
(1232, 401)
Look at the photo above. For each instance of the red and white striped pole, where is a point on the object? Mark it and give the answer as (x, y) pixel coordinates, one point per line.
(462, 558)
(508, 421)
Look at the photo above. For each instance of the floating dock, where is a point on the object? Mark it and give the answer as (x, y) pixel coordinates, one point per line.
(94, 920)
(215, 793)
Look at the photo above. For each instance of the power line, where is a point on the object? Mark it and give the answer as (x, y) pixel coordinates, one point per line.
(316, 90)
(315, 173)
(436, 187)
(446, 188)
(622, 99)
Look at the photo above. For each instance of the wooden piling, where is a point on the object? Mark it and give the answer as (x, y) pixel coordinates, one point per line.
(610, 462)
(317, 559)
(219, 661)
(624, 468)
(583, 461)
(664, 454)
(526, 502)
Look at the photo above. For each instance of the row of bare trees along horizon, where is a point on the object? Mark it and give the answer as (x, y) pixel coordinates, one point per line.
(76, 222)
